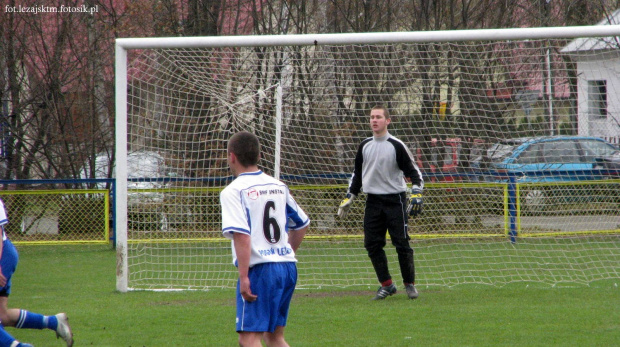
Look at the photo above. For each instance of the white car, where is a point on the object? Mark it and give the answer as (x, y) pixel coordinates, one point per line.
(141, 166)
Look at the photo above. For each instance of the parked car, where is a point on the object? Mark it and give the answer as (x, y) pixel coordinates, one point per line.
(547, 159)
(145, 196)
(610, 164)
(140, 164)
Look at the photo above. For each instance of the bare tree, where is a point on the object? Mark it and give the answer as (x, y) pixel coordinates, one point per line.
(56, 68)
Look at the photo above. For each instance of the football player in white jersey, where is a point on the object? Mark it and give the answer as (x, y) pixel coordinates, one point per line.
(266, 227)
(15, 317)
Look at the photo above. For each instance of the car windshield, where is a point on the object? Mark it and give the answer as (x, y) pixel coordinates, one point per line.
(594, 149)
(499, 151)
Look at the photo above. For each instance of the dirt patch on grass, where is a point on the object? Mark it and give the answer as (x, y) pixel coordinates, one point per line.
(331, 293)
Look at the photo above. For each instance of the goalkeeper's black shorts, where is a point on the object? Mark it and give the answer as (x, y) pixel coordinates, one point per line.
(386, 212)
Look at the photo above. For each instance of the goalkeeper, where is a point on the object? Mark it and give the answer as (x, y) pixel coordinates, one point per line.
(381, 164)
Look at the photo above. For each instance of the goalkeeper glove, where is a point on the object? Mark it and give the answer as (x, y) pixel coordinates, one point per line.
(415, 201)
(343, 209)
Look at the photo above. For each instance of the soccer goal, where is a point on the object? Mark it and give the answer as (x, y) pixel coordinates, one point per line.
(461, 100)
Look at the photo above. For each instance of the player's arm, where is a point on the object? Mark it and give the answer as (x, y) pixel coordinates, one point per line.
(407, 164)
(356, 179)
(2, 278)
(355, 186)
(3, 222)
(295, 237)
(414, 207)
(243, 249)
(297, 222)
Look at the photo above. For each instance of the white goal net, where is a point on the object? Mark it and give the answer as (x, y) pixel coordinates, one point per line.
(513, 130)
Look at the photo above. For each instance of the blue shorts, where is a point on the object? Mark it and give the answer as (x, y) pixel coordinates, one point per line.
(8, 262)
(274, 284)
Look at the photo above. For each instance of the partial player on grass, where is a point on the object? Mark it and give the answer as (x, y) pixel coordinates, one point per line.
(19, 318)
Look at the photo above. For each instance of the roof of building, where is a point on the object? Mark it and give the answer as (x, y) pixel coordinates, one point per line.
(583, 44)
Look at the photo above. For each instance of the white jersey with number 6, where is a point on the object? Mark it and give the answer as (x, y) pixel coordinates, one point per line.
(261, 206)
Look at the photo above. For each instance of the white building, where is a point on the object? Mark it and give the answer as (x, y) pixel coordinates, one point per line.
(598, 86)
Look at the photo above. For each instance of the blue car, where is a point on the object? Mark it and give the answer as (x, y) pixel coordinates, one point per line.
(610, 163)
(548, 158)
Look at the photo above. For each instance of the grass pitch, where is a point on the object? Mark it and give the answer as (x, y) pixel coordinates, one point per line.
(80, 280)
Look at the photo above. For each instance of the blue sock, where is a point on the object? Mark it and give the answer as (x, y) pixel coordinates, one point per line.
(30, 320)
(5, 338)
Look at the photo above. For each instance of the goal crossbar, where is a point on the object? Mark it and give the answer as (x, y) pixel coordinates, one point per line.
(369, 38)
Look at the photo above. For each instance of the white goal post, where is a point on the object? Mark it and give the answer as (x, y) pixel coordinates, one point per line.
(453, 94)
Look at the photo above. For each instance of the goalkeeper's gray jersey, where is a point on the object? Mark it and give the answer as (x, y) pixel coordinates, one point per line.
(381, 164)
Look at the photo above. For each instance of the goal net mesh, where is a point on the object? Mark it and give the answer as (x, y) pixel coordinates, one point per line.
(451, 103)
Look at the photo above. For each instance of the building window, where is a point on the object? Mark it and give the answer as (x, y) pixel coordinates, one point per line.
(597, 99)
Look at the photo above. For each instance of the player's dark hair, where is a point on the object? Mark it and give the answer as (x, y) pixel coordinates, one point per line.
(386, 113)
(246, 148)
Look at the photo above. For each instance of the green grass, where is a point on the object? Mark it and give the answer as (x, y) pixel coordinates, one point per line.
(81, 281)
(549, 260)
